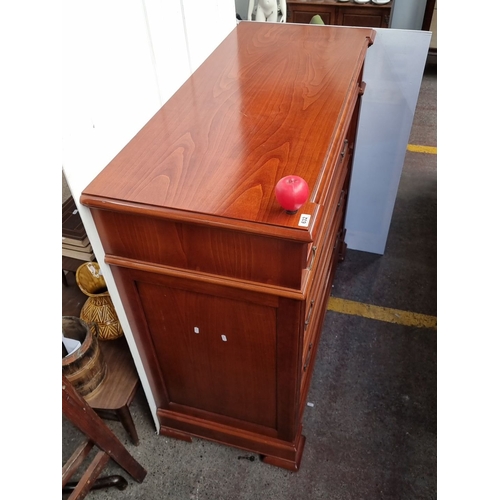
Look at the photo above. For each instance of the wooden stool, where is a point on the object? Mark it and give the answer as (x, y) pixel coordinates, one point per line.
(113, 398)
(77, 411)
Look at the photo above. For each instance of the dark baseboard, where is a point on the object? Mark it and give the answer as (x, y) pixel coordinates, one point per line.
(432, 57)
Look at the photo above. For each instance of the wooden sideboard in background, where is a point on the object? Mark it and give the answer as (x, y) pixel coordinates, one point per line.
(338, 13)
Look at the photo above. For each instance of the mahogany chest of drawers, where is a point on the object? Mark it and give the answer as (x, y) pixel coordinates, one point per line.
(224, 291)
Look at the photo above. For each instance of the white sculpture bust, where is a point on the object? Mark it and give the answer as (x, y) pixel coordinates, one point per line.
(267, 10)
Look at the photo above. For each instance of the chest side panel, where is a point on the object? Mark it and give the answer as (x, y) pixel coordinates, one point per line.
(216, 354)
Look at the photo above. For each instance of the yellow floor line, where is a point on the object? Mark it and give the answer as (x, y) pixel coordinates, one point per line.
(382, 313)
(422, 149)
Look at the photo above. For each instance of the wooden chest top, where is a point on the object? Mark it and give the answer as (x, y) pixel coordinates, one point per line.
(268, 102)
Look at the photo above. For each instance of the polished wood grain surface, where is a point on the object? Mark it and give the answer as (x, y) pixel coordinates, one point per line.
(225, 293)
(221, 143)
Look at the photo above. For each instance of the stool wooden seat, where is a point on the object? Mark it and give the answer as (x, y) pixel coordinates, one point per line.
(115, 394)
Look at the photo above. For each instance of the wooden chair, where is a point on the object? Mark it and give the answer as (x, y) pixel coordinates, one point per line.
(78, 411)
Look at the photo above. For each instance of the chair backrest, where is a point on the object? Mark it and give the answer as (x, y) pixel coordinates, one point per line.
(316, 20)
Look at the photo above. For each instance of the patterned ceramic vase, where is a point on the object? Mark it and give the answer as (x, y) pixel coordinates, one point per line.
(98, 308)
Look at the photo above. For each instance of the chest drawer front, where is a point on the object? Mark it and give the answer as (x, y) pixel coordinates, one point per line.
(334, 199)
(314, 307)
(246, 256)
(316, 302)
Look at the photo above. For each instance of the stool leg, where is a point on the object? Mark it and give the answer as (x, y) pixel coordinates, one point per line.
(126, 419)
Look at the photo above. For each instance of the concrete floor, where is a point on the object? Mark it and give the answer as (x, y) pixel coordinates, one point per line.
(372, 432)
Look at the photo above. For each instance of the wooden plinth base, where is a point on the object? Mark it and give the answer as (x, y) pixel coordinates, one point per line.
(172, 433)
(291, 465)
(272, 451)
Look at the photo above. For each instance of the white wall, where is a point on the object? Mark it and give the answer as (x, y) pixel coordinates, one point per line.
(123, 59)
(408, 14)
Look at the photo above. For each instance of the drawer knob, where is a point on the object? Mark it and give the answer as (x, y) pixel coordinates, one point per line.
(341, 198)
(312, 258)
(308, 359)
(344, 149)
(308, 319)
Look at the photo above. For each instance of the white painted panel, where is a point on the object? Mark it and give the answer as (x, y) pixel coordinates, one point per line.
(109, 80)
(169, 46)
(110, 90)
(207, 23)
(393, 74)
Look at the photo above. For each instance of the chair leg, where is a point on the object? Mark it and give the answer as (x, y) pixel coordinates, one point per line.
(126, 419)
